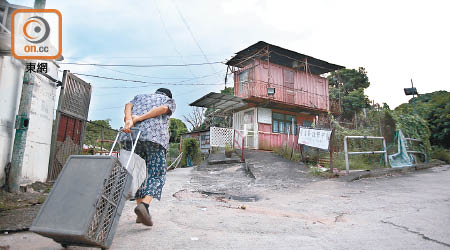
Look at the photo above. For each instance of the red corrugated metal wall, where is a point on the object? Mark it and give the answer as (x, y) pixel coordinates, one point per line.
(308, 90)
(268, 140)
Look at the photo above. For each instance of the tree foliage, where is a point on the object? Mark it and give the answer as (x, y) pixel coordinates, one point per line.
(349, 79)
(347, 85)
(435, 109)
(94, 133)
(176, 127)
(191, 149)
(413, 126)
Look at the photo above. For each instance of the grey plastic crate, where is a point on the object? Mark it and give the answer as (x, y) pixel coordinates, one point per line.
(85, 203)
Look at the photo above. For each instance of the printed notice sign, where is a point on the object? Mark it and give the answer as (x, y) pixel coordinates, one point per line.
(317, 138)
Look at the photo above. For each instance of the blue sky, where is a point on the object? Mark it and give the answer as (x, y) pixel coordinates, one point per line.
(394, 41)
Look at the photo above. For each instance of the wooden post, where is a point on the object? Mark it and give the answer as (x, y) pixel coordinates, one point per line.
(331, 147)
(293, 138)
(301, 153)
(379, 120)
(101, 142)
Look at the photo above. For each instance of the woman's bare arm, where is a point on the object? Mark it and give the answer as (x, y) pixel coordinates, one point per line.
(154, 112)
(128, 118)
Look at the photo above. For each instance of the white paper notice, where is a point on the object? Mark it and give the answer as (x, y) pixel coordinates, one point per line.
(316, 138)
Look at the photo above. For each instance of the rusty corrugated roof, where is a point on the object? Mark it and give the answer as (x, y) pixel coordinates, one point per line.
(283, 57)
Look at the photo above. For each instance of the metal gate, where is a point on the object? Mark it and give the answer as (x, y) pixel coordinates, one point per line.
(70, 124)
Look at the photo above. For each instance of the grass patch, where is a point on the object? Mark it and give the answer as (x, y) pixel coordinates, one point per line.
(441, 154)
(313, 156)
(286, 152)
(356, 162)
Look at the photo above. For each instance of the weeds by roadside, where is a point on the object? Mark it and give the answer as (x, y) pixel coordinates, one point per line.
(287, 153)
(441, 154)
(36, 193)
(314, 157)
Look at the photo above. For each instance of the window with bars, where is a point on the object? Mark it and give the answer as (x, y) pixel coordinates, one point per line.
(282, 123)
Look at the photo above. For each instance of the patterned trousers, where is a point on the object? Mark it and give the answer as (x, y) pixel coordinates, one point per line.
(155, 158)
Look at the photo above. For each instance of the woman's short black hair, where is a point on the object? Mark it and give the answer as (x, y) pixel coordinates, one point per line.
(164, 91)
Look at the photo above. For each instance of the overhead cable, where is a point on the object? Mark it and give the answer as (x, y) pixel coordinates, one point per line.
(192, 35)
(138, 81)
(142, 65)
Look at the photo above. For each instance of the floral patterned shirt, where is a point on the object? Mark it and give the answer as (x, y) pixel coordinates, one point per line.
(154, 129)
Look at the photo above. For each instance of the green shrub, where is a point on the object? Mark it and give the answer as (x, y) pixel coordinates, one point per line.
(414, 126)
(191, 148)
(441, 154)
(357, 162)
(355, 144)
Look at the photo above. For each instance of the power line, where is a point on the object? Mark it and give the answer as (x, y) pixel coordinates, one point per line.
(192, 34)
(143, 65)
(155, 77)
(139, 81)
(170, 38)
(108, 108)
(146, 57)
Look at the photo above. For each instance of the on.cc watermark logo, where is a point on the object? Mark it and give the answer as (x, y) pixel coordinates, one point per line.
(36, 34)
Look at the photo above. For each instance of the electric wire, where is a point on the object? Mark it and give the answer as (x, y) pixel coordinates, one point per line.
(192, 34)
(170, 37)
(107, 108)
(148, 84)
(142, 65)
(153, 77)
(145, 57)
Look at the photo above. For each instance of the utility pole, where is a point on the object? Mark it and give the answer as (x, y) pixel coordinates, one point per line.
(39, 4)
(412, 91)
(22, 124)
(413, 100)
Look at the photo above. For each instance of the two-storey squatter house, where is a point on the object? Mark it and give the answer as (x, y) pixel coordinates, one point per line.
(279, 89)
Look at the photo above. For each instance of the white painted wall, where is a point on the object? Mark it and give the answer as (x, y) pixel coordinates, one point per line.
(11, 77)
(37, 149)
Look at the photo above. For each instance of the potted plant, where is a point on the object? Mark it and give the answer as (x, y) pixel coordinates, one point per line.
(228, 150)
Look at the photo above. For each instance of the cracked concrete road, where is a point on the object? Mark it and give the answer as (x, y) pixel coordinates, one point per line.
(203, 208)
